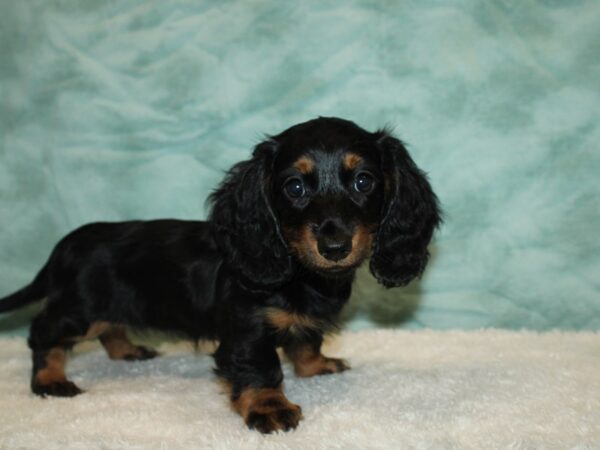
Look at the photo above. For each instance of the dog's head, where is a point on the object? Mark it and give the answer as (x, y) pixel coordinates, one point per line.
(325, 194)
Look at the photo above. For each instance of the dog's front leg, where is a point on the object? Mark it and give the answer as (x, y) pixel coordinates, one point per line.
(252, 371)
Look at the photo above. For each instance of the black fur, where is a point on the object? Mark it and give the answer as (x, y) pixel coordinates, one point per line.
(410, 217)
(245, 225)
(240, 276)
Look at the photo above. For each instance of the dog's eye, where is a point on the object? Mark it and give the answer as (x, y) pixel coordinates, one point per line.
(363, 183)
(294, 188)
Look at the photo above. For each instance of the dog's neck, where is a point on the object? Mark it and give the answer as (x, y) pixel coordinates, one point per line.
(315, 294)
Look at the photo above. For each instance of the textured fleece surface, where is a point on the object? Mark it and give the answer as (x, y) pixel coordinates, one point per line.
(421, 389)
(113, 110)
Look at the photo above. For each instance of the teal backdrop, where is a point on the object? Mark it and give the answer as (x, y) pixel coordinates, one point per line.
(115, 110)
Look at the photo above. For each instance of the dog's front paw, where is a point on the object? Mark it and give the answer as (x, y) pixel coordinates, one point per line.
(267, 410)
(274, 417)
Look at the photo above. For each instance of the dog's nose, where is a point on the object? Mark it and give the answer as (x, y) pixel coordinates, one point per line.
(334, 250)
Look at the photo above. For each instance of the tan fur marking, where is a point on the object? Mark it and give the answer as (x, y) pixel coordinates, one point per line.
(262, 401)
(116, 343)
(306, 247)
(95, 330)
(287, 321)
(352, 160)
(54, 372)
(244, 402)
(305, 165)
(308, 363)
(304, 244)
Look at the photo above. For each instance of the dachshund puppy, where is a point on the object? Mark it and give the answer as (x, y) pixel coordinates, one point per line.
(272, 267)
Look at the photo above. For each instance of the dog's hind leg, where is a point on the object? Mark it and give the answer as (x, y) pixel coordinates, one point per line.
(49, 373)
(50, 339)
(118, 346)
(309, 361)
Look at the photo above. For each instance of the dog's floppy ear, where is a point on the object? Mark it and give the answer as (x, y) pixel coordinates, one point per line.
(245, 225)
(409, 217)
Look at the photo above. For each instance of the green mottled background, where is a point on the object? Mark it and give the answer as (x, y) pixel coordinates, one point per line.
(113, 110)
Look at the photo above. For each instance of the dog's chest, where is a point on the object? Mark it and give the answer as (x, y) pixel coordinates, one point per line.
(293, 323)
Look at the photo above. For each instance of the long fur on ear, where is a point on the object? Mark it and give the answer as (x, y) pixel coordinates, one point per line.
(245, 226)
(409, 217)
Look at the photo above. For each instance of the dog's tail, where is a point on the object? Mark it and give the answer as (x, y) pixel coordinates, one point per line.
(34, 291)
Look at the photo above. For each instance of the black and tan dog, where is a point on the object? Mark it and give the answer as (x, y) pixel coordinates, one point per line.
(272, 267)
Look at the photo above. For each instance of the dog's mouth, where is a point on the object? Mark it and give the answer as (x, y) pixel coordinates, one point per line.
(306, 247)
(337, 271)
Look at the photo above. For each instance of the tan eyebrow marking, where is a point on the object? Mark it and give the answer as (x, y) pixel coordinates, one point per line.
(352, 160)
(305, 165)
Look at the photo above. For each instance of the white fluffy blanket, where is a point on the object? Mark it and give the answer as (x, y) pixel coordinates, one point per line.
(474, 390)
